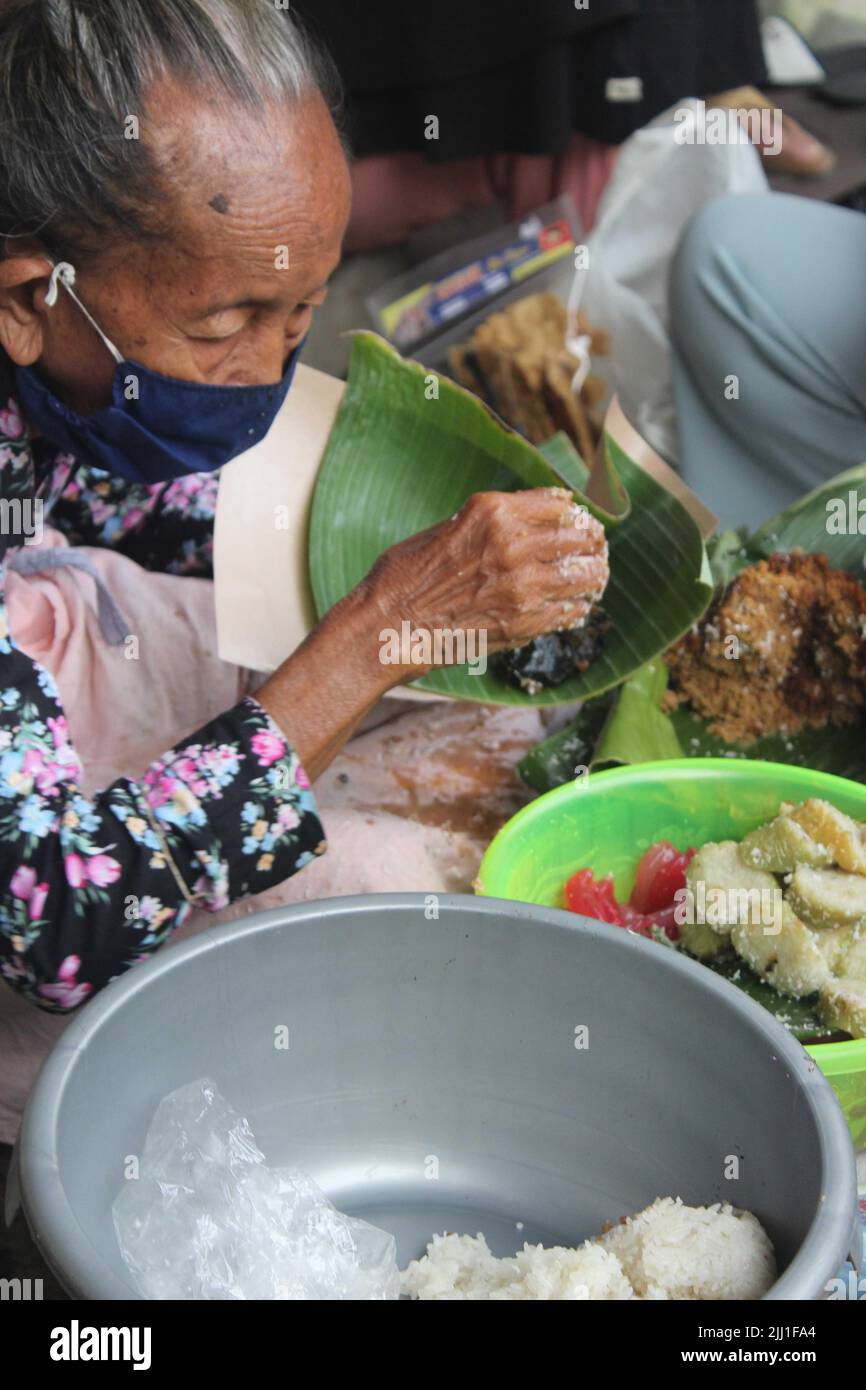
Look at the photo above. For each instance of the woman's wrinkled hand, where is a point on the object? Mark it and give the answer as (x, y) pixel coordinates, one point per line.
(508, 565)
(513, 565)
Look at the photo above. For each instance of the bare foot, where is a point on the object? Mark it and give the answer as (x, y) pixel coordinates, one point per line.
(800, 153)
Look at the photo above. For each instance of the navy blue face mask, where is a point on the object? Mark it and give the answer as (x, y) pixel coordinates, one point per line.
(157, 427)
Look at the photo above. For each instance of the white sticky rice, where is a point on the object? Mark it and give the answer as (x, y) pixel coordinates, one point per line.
(668, 1251)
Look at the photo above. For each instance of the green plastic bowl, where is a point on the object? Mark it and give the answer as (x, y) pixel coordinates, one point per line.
(606, 820)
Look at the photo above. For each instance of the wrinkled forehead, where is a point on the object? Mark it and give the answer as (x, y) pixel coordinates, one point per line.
(217, 158)
(253, 203)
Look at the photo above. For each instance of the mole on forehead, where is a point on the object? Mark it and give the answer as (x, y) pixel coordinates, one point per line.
(220, 203)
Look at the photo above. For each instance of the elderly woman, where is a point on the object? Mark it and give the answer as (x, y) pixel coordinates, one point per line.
(173, 199)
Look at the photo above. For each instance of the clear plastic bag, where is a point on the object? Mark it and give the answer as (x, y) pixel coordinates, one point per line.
(207, 1218)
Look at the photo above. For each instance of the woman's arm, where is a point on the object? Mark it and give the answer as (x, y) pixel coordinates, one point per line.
(506, 567)
(91, 886)
(321, 694)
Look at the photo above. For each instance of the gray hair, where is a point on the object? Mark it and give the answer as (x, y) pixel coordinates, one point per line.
(73, 72)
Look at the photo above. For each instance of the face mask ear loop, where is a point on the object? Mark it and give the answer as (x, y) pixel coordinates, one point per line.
(64, 274)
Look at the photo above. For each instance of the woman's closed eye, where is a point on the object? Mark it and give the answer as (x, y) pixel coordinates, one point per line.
(222, 326)
(229, 324)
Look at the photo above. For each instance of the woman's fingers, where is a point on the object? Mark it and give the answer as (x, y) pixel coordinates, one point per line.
(524, 513)
(573, 580)
(513, 565)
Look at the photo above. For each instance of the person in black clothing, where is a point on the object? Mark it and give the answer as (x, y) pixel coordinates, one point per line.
(521, 77)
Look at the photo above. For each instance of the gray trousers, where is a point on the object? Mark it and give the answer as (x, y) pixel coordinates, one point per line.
(768, 323)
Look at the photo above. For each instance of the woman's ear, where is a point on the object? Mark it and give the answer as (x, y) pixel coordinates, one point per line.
(23, 285)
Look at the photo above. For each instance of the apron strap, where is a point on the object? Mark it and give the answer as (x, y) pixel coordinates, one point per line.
(38, 560)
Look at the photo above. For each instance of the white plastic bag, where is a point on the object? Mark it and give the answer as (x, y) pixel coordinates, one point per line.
(656, 187)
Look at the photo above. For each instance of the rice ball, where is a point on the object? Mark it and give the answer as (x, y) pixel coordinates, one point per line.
(671, 1251)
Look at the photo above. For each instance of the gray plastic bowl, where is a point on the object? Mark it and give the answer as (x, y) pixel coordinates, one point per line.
(432, 1082)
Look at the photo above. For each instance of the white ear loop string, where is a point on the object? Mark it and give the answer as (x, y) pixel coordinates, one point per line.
(62, 271)
(577, 343)
(64, 274)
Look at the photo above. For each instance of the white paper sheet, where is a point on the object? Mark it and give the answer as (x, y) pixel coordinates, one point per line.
(263, 599)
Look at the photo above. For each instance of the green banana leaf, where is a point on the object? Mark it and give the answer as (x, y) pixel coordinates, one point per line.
(629, 727)
(625, 726)
(638, 730)
(398, 461)
(799, 1016)
(555, 761)
(820, 521)
(813, 524)
(841, 750)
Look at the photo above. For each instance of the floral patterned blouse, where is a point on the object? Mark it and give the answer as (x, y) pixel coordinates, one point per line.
(91, 886)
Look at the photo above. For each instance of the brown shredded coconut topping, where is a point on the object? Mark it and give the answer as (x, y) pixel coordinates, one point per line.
(782, 649)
